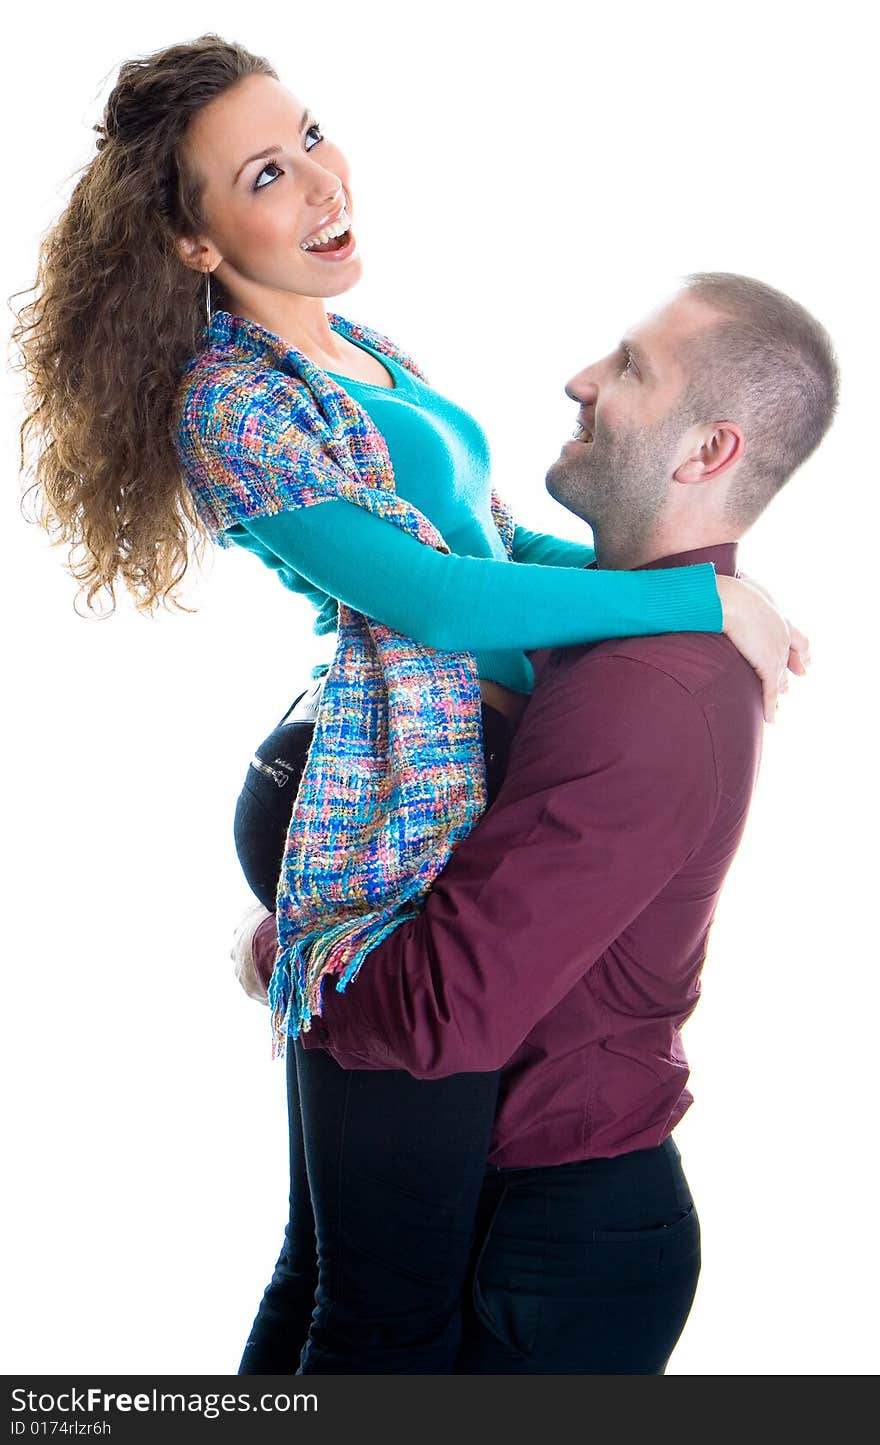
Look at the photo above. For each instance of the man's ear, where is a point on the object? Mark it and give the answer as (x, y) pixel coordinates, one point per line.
(717, 449)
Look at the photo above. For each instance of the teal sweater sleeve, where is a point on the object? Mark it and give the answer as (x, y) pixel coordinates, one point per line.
(549, 551)
(467, 604)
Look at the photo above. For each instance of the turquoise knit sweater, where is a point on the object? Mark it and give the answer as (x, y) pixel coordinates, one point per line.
(471, 599)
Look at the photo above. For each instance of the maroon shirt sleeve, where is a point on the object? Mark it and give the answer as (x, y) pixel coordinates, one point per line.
(611, 787)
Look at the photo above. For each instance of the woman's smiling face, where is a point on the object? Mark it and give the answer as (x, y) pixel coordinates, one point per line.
(275, 195)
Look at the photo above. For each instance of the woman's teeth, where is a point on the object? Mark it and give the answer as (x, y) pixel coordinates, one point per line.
(330, 233)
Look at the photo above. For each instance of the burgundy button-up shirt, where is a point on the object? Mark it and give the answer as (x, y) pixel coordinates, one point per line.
(564, 940)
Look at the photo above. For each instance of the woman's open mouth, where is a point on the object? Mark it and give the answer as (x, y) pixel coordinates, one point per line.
(335, 242)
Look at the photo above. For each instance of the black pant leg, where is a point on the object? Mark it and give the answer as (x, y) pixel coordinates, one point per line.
(281, 1326)
(395, 1168)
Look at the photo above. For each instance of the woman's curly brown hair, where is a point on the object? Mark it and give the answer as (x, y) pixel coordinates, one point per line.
(115, 318)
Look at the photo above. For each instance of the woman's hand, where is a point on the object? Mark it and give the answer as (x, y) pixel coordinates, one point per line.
(242, 953)
(765, 638)
(799, 652)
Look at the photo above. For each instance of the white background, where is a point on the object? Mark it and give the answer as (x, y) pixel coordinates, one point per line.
(528, 182)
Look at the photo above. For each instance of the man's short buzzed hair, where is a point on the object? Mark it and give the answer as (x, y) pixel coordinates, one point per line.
(769, 365)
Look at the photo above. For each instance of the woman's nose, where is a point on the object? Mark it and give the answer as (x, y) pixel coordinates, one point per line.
(324, 188)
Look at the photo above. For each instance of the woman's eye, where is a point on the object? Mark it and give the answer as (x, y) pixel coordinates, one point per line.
(270, 166)
(313, 135)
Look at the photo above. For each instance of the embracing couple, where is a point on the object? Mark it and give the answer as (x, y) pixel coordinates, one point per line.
(489, 845)
(559, 953)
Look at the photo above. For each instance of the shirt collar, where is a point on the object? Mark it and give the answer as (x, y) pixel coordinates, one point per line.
(721, 554)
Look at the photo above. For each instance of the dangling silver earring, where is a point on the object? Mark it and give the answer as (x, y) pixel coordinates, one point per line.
(208, 295)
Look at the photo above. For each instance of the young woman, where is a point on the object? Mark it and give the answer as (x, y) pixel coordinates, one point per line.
(215, 198)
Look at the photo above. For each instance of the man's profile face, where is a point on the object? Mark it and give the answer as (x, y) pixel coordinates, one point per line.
(631, 430)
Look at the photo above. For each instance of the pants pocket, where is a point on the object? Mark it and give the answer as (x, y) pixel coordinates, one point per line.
(512, 1317)
(507, 1292)
(666, 1244)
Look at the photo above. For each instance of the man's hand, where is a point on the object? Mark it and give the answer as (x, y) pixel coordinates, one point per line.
(242, 953)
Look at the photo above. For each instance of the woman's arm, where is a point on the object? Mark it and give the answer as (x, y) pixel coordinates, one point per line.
(464, 604)
(269, 444)
(549, 551)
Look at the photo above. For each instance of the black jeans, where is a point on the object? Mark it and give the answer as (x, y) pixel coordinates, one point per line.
(587, 1268)
(385, 1170)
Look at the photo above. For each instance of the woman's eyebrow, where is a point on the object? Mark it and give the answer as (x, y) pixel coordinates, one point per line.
(273, 149)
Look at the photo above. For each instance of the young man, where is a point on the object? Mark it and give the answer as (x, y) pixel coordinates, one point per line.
(564, 941)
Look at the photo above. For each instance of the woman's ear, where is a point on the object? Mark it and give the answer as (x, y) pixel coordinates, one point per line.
(718, 448)
(196, 254)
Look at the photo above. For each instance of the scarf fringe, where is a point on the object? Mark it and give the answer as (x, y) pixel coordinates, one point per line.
(297, 981)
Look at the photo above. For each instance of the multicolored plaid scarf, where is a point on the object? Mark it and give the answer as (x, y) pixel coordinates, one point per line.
(395, 774)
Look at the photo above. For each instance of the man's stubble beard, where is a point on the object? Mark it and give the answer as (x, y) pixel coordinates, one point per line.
(618, 485)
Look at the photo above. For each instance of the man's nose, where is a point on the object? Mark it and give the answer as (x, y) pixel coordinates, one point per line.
(583, 388)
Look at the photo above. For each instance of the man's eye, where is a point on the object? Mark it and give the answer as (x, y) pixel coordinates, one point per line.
(317, 134)
(269, 166)
(627, 366)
